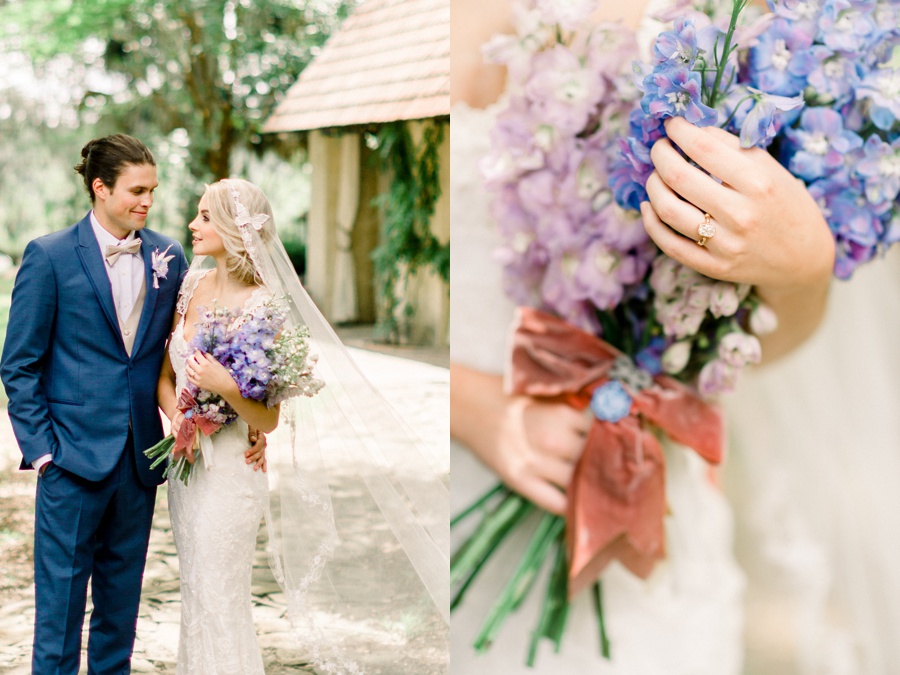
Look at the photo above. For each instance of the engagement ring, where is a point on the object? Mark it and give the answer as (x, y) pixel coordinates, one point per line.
(705, 230)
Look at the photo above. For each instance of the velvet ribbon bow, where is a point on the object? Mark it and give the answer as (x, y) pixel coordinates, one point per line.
(192, 423)
(616, 499)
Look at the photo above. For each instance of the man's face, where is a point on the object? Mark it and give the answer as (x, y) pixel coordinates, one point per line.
(124, 207)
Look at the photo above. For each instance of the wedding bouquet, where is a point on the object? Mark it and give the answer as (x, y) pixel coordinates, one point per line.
(269, 363)
(607, 321)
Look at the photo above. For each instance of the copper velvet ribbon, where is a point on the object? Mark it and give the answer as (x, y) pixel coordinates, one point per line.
(616, 499)
(187, 433)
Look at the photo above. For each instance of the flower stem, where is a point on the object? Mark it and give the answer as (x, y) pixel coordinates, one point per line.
(522, 580)
(601, 623)
(161, 451)
(489, 533)
(555, 610)
(736, 9)
(475, 506)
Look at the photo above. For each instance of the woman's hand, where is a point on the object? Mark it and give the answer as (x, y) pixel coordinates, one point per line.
(531, 445)
(177, 419)
(256, 454)
(770, 232)
(207, 373)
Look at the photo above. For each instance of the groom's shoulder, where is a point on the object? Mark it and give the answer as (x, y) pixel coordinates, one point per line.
(56, 240)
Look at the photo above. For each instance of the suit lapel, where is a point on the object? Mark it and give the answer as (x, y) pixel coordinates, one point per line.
(148, 247)
(88, 251)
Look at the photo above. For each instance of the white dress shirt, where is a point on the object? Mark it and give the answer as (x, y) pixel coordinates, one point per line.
(125, 278)
(125, 275)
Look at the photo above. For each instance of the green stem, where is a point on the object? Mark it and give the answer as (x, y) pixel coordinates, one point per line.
(492, 529)
(736, 9)
(475, 506)
(522, 580)
(160, 452)
(601, 623)
(555, 609)
(478, 556)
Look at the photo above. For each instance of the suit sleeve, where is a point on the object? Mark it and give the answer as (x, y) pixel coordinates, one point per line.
(31, 319)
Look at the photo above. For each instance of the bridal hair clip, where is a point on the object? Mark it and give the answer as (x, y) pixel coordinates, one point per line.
(243, 218)
(247, 224)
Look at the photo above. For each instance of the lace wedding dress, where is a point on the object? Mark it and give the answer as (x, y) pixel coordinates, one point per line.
(687, 617)
(215, 519)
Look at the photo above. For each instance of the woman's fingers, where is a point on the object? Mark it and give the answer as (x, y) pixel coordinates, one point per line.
(680, 248)
(690, 182)
(678, 214)
(545, 495)
(714, 149)
(556, 430)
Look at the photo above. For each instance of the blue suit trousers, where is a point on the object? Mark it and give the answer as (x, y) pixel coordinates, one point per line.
(97, 530)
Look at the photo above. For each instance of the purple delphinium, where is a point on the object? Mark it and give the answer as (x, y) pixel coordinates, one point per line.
(561, 90)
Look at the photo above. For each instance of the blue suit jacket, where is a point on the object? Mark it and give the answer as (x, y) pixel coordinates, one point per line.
(73, 390)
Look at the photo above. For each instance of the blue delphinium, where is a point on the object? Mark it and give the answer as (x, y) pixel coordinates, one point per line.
(880, 170)
(881, 87)
(674, 91)
(611, 402)
(856, 228)
(782, 59)
(820, 146)
(762, 122)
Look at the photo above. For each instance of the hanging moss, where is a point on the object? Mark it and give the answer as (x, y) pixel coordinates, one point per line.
(407, 244)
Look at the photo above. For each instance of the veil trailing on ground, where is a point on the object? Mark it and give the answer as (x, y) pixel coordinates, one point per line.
(359, 505)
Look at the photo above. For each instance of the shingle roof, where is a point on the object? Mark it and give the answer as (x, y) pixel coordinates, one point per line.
(390, 60)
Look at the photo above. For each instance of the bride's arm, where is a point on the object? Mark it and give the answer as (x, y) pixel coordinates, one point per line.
(165, 386)
(770, 232)
(207, 373)
(531, 445)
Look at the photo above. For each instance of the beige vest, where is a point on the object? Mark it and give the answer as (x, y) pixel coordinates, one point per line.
(129, 327)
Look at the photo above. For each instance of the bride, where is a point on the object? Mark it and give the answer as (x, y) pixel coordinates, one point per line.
(388, 581)
(688, 616)
(216, 537)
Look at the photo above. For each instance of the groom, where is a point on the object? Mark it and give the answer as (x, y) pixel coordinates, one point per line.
(91, 310)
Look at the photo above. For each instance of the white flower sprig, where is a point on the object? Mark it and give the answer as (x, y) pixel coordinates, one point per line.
(159, 262)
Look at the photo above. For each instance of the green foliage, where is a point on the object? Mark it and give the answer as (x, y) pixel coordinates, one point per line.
(407, 243)
(296, 251)
(213, 68)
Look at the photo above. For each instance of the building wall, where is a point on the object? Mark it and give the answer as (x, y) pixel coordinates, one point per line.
(428, 294)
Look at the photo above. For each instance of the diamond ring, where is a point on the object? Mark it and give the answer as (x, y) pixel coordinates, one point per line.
(705, 230)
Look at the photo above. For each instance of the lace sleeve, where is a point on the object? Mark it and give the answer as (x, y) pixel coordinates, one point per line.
(188, 286)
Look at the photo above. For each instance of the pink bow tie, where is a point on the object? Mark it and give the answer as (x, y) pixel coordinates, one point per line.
(113, 252)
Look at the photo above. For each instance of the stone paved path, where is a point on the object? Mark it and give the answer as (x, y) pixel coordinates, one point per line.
(418, 390)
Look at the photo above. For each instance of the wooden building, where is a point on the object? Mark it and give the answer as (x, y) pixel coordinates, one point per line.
(389, 62)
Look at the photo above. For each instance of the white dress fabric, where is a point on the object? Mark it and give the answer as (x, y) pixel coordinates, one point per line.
(814, 477)
(215, 519)
(686, 619)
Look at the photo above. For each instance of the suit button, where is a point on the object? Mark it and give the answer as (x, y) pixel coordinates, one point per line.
(127, 333)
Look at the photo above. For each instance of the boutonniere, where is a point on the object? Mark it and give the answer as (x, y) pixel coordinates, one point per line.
(159, 261)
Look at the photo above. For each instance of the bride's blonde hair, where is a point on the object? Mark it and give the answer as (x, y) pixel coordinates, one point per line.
(222, 212)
